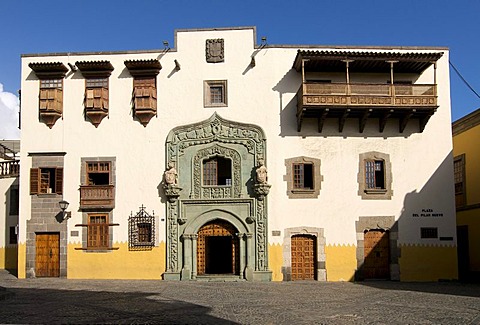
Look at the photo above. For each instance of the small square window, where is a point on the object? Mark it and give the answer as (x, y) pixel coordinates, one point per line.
(215, 93)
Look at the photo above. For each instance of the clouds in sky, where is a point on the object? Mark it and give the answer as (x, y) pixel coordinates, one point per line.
(9, 106)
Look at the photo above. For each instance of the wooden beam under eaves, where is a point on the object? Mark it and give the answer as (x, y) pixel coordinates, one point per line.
(321, 119)
(363, 119)
(404, 119)
(383, 120)
(342, 119)
(299, 120)
(424, 119)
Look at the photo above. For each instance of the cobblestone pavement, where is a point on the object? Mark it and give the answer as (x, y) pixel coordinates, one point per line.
(51, 301)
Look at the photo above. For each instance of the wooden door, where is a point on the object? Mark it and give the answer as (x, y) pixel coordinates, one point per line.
(211, 260)
(303, 257)
(47, 261)
(376, 263)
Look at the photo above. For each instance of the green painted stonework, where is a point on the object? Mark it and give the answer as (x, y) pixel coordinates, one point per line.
(197, 204)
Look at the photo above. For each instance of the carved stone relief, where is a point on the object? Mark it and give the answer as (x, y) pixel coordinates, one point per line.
(200, 191)
(214, 50)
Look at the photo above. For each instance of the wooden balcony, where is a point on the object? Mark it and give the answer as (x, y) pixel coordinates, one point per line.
(9, 168)
(404, 102)
(97, 197)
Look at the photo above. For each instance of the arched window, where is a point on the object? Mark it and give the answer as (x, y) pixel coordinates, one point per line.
(217, 171)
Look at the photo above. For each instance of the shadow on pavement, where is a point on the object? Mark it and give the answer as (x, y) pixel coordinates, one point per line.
(445, 288)
(88, 307)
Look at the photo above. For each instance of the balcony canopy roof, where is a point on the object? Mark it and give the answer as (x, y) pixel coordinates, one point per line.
(334, 61)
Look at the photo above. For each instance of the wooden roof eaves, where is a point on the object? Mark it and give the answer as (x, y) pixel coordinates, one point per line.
(48, 69)
(363, 56)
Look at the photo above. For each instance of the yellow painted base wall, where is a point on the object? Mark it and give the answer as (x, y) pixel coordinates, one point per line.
(275, 261)
(341, 262)
(428, 263)
(116, 264)
(9, 257)
(22, 261)
(471, 218)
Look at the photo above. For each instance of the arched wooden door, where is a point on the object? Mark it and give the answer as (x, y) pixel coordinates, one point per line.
(218, 249)
(304, 254)
(376, 263)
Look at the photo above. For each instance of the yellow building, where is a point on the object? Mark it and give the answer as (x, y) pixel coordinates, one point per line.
(466, 132)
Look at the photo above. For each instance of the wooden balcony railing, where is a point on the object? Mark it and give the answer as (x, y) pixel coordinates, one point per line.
(97, 196)
(404, 101)
(9, 168)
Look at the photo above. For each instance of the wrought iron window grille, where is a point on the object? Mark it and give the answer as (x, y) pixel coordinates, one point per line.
(141, 230)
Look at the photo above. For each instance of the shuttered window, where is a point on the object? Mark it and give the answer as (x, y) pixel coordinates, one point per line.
(459, 177)
(145, 93)
(98, 231)
(303, 176)
(51, 95)
(96, 94)
(374, 174)
(217, 171)
(46, 180)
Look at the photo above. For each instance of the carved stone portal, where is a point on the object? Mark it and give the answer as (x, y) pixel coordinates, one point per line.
(242, 203)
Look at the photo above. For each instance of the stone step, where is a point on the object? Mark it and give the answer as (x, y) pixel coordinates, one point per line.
(219, 278)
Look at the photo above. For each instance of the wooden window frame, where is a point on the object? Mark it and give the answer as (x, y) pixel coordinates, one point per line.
(460, 185)
(36, 180)
(96, 93)
(145, 92)
(364, 188)
(210, 171)
(98, 234)
(51, 95)
(208, 85)
(298, 192)
(99, 170)
(300, 177)
(372, 182)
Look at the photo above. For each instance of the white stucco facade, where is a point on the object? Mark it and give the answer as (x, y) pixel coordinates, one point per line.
(263, 95)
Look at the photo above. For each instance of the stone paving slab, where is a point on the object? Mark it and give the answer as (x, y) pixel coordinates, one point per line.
(63, 301)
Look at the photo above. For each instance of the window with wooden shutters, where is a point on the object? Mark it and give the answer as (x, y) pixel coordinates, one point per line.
(303, 176)
(217, 171)
(459, 178)
(46, 180)
(98, 236)
(145, 92)
(96, 94)
(51, 95)
(374, 174)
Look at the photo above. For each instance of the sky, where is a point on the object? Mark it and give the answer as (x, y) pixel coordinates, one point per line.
(49, 26)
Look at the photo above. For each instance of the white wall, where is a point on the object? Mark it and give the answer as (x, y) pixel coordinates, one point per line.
(263, 95)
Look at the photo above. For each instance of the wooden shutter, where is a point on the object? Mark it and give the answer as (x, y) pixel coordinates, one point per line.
(89, 98)
(59, 180)
(34, 180)
(104, 98)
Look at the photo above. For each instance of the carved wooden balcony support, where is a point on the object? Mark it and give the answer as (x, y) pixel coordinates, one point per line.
(97, 197)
